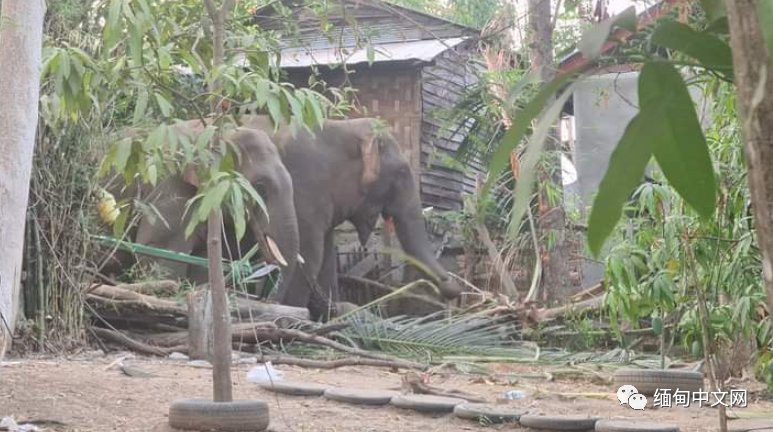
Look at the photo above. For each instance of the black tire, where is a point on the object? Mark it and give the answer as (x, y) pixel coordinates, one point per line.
(618, 425)
(491, 413)
(559, 423)
(205, 415)
(647, 381)
(359, 396)
(294, 388)
(747, 425)
(427, 403)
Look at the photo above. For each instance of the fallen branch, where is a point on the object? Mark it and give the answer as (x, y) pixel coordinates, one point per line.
(542, 315)
(287, 335)
(111, 295)
(151, 287)
(120, 338)
(332, 364)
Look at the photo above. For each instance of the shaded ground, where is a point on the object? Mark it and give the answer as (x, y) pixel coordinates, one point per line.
(89, 395)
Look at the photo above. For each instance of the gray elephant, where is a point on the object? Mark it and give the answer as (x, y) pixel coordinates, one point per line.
(260, 164)
(349, 170)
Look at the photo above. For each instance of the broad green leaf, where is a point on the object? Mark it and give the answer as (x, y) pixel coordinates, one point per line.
(237, 212)
(626, 168)
(275, 109)
(120, 223)
(715, 9)
(657, 325)
(711, 51)
(765, 18)
(679, 145)
(213, 199)
(525, 182)
(122, 153)
(135, 45)
(141, 106)
(523, 118)
(253, 194)
(594, 39)
(164, 105)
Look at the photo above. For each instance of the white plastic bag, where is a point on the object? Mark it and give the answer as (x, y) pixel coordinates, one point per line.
(264, 373)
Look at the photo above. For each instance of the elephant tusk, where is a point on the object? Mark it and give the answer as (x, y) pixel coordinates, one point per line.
(301, 260)
(274, 250)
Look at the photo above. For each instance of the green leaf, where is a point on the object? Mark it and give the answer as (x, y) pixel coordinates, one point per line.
(594, 39)
(525, 182)
(715, 9)
(213, 199)
(120, 222)
(237, 212)
(253, 194)
(657, 325)
(141, 106)
(135, 46)
(626, 168)
(711, 51)
(523, 118)
(765, 18)
(164, 105)
(679, 145)
(122, 153)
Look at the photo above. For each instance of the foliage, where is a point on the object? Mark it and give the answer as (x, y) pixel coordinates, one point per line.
(148, 54)
(434, 336)
(646, 270)
(473, 13)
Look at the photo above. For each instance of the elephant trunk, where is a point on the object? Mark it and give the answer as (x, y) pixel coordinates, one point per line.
(412, 234)
(282, 224)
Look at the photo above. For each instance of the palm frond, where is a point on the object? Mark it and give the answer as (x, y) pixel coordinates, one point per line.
(433, 337)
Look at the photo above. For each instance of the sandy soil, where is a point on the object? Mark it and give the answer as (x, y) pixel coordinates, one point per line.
(88, 395)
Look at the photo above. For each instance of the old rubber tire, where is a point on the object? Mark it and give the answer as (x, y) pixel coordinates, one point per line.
(294, 388)
(427, 403)
(647, 381)
(359, 396)
(752, 424)
(633, 425)
(205, 415)
(559, 423)
(491, 413)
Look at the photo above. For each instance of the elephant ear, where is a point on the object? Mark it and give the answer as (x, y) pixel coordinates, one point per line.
(371, 160)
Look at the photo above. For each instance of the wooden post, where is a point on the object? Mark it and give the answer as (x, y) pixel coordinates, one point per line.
(200, 325)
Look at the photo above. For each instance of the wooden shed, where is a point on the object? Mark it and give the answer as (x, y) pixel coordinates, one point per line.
(416, 64)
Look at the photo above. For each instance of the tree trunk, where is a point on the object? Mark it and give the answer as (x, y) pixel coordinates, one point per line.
(221, 331)
(21, 41)
(752, 65)
(551, 219)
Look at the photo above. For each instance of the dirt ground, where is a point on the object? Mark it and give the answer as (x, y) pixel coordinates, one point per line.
(87, 394)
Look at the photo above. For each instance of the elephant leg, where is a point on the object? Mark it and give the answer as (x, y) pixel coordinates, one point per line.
(327, 282)
(296, 290)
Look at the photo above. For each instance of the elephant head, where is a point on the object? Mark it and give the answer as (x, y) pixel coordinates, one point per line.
(390, 190)
(276, 230)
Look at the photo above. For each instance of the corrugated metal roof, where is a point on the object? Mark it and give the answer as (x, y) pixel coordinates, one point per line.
(420, 50)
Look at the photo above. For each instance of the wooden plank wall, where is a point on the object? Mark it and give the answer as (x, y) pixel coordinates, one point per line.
(442, 85)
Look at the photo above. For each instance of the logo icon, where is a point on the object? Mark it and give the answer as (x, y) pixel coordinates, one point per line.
(624, 392)
(637, 401)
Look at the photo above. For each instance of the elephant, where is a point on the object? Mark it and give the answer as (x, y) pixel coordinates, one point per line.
(347, 170)
(260, 164)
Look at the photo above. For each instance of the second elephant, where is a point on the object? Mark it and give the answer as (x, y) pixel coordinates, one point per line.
(349, 170)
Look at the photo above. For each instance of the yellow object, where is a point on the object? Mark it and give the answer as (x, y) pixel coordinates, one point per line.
(107, 208)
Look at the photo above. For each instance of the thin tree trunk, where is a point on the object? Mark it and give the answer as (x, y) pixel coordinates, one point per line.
(753, 70)
(551, 219)
(221, 331)
(21, 41)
